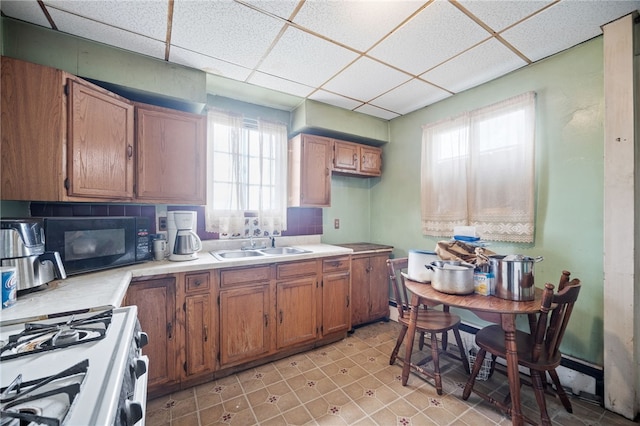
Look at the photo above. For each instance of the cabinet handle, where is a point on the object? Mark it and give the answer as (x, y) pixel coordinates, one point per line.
(363, 159)
(266, 320)
(206, 333)
(169, 330)
(281, 317)
(326, 171)
(348, 301)
(355, 158)
(197, 283)
(129, 151)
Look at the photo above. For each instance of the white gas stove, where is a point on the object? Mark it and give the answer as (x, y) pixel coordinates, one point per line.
(74, 369)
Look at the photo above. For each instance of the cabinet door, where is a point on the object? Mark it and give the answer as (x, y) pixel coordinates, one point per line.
(199, 339)
(310, 171)
(171, 155)
(244, 324)
(100, 144)
(156, 301)
(360, 292)
(370, 160)
(345, 156)
(378, 287)
(335, 303)
(296, 311)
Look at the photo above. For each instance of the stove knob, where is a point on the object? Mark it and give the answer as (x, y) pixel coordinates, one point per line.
(138, 367)
(131, 413)
(142, 339)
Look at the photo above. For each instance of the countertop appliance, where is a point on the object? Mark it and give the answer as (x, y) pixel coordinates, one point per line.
(184, 244)
(94, 243)
(81, 369)
(22, 245)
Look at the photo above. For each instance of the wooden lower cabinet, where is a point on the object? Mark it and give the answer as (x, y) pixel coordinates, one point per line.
(369, 287)
(296, 320)
(156, 302)
(200, 325)
(336, 298)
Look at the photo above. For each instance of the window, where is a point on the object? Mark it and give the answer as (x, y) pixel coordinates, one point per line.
(246, 176)
(478, 169)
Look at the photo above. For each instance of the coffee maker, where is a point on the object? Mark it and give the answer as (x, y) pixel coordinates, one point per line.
(22, 246)
(183, 244)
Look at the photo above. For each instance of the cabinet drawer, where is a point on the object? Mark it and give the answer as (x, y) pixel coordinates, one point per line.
(241, 276)
(336, 264)
(296, 269)
(197, 282)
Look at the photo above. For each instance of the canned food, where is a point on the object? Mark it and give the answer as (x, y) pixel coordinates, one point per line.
(9, 285)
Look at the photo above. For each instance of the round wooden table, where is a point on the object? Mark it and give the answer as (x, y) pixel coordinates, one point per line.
(489, 308)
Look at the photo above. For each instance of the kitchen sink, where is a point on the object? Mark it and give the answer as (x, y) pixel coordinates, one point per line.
(272, 251)
(283, 250)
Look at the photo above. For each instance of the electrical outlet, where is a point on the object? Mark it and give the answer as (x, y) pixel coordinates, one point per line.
(336, 223)
(162, 224)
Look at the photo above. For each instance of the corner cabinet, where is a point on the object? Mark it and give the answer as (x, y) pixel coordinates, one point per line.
(171, 155)
(310, 171)
(63, 139)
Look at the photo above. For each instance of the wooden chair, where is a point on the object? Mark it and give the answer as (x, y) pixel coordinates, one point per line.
(430, 321)
(538, 350)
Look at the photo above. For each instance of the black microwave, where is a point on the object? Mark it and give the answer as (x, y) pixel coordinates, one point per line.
(90, 244)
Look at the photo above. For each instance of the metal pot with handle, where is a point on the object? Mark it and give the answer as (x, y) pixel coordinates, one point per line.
(452, 277)
(514, 276)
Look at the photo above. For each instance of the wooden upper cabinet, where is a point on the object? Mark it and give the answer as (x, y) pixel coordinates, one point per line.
(356, 159)
(171, 155)
(100, 144)
(310, 171)
(52, 140)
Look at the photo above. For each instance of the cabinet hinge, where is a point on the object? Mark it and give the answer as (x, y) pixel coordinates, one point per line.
(184, 366)
(322, 329)
(218, 356)
(184, 306)
(66, 183)
(218, 300)
(66, 89)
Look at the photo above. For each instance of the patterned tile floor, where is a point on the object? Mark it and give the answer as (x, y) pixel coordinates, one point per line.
(351, 383)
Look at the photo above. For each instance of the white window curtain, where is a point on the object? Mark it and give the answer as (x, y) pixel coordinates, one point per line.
(246, 176)
(478, 169)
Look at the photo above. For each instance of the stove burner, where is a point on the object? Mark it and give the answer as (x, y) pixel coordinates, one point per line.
(44, 401)
(39, 337)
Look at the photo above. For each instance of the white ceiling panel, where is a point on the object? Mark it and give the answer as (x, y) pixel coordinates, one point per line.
(279, 84)
(430, 39)
(306, 59)
(27, 11)
(377, 112)
(106, 34)
(334, 99)
(144, 17)
(365, 79)
(349, 22)
(206, 63)
(384, 58)
(224, 30)
(498, 15)
(411, 96)
(476, 66)
(549, 31)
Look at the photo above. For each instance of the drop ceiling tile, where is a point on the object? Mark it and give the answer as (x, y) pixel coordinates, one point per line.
(410, 96)
(279, 84)
(92, 30)
(439, 32)
(207, 64)
(548, 33)
(377, 112)
(485, 62)
(281, 8)
(334, 99)
(351, 22)
(25, 11)
(306, 59)
(145, 17)
(500, 14)
(365, 79)
(224, 30)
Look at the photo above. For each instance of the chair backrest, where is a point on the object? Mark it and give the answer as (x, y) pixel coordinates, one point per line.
(549, 332)
(395, 266)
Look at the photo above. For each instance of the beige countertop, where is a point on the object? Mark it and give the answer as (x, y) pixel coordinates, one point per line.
(104, 289)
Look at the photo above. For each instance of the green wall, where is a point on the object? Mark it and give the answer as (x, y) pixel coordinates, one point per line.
(570, 175)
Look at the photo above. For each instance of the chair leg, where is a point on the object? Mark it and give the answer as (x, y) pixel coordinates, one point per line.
(493, 365)
(560, 391)
(538, 390)
(474, 373)
(465, 362)
(435, 353)
(445, 341)
(394, 354)
(421, 341)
